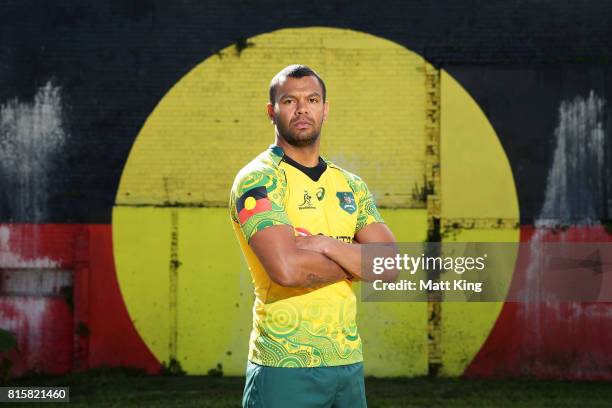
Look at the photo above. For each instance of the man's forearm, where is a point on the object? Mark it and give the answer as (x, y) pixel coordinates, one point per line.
(311, 269)
(348, 256)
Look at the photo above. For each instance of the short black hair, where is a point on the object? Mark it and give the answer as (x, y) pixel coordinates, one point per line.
(293, 71)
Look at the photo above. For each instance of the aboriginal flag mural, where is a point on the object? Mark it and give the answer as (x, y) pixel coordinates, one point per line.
(123, 124)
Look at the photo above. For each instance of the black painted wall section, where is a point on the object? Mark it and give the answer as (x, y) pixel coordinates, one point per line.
(114, 61)
(522, 103)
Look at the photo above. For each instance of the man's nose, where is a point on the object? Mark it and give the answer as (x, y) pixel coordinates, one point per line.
(301, 107)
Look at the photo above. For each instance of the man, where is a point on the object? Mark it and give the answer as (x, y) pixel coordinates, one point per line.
(300, 220)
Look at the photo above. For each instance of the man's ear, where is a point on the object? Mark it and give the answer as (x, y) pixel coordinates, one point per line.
(270, 109)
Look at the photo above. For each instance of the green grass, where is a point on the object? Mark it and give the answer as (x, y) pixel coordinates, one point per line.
(125, 388)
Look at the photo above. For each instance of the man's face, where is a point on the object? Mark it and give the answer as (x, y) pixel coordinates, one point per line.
(299, 110)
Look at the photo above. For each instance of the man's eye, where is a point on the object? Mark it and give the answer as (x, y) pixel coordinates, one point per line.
(314, 100)
(288, 101)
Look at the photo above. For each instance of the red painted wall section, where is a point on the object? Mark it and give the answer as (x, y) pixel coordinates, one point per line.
(61, 298)
(114, 340)
(59, 331)
(568, 340)
(37, 245)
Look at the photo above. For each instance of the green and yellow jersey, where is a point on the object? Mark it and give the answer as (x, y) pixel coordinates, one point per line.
(300, 327)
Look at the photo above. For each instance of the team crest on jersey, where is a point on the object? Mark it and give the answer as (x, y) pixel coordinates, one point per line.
(347, 201)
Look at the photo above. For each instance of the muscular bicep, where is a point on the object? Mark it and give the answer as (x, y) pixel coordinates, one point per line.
(375, 232)
(274, 247)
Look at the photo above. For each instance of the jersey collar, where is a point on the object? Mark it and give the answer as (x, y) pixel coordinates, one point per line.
(276, 153)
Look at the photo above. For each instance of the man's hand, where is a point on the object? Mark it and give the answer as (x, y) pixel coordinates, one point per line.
(316, 243)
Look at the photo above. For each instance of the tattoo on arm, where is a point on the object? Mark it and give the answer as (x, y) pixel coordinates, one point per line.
(314, 280)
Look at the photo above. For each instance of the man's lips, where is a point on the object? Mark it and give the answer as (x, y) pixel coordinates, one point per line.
(301, 124)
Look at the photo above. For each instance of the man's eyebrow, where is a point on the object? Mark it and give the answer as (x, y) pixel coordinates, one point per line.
(284, 96)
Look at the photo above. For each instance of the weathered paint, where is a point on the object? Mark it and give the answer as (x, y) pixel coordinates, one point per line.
(31, 138)
(576, 187)
(33, 303)
(19, 250)
(34, 282)
(61, 330)
(42, 326)
(567, 340)
(433, 191)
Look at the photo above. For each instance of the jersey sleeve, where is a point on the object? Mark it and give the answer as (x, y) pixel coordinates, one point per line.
(368, 213)
(257, 201)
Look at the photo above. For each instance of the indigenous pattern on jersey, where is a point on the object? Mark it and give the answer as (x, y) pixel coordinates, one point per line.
(300, 327)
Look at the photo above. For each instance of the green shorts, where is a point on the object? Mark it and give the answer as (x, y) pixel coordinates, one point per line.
(317, 387)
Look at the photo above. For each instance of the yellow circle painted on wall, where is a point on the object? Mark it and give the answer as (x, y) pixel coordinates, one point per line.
(179, 267)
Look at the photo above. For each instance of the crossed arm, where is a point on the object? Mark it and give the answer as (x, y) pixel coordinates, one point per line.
(316, 260)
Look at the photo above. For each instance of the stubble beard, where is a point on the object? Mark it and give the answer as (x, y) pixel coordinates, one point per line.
(297, 139)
